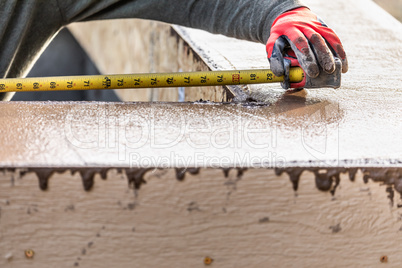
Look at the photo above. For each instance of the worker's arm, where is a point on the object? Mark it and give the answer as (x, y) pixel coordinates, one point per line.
(243, 19)
(26, 27)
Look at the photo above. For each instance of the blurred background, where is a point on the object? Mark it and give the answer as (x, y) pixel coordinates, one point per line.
(57, 61)
(394, 7)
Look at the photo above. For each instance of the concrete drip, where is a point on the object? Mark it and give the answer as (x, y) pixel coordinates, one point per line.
(240, 172)
(87, 175)
(135, 176)
(325, 179)
(329, 179)
(181, 172)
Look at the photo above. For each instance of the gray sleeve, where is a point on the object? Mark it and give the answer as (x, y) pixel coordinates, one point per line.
(25, 29)
(243, 19)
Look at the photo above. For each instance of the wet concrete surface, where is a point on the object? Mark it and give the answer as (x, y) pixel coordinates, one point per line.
(296, 130)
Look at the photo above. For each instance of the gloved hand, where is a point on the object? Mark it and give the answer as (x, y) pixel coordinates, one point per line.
(300, 34)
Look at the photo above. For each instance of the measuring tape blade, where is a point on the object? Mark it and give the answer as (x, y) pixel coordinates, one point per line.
(150, 80)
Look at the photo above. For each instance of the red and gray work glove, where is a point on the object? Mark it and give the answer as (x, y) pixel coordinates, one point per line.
(299, 38)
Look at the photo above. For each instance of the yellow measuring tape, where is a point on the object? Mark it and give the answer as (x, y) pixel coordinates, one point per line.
(183, 79)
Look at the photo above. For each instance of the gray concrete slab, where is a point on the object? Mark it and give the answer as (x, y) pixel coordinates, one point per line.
(295, 131)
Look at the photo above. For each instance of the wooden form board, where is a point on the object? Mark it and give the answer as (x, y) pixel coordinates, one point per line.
(252, 221)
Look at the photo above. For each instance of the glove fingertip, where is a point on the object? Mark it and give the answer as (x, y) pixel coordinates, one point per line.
(312, 70)
(329, 67)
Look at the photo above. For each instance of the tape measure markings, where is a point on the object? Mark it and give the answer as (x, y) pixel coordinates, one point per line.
(121, 81)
